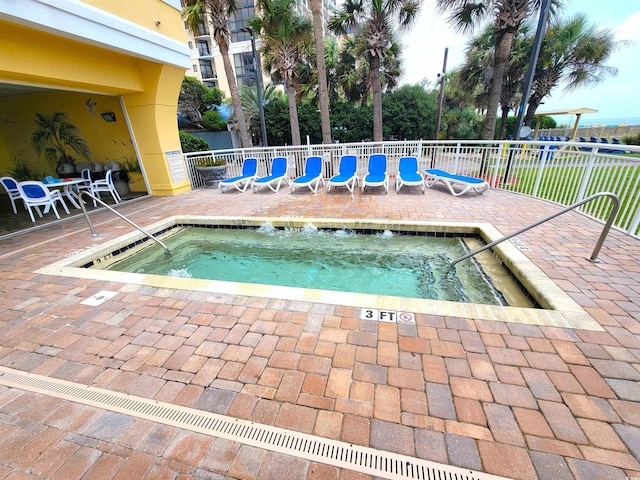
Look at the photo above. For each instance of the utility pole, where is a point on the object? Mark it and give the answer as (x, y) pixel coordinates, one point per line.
(526, 88)
(257, 68)
(441, 94)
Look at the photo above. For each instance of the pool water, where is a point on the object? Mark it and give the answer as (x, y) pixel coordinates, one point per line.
(414, 266)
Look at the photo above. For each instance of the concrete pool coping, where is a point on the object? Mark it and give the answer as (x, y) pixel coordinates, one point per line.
(558, 309)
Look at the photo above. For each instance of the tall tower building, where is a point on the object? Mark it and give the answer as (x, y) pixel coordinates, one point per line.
(206, 61)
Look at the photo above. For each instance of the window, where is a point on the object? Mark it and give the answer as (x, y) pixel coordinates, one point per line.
(240, 19)
(190, 45)
(195, 67)
(203, 48)
(206, 69)
(245, 70)
(202, 29)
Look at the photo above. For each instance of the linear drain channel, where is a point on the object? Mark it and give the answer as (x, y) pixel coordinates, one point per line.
(317, 449)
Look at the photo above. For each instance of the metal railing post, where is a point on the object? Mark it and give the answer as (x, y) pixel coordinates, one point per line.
(93, 230)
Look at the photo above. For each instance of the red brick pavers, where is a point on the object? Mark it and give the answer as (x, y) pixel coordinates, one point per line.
(515, 400)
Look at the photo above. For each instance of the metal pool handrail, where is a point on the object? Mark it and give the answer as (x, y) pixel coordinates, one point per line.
(596, 250)
(93, 230)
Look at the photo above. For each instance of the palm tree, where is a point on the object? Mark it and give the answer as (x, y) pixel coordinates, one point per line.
(477, 70)
(286, 43)
(251, 105)
(376, 20)
(58, 138)
(574, 52)
(216, 14)
(509, 17)
(323, 91)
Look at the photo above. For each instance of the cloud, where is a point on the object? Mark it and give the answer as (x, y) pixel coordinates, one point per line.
(424, 44)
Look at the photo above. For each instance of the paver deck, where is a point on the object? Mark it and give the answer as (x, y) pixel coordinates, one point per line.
(520, 401)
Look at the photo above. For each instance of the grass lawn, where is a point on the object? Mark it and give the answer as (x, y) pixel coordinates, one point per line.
(562, 184)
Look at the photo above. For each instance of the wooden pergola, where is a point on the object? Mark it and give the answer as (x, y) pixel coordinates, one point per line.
(578, 112)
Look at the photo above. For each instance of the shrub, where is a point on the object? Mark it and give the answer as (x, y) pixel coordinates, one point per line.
(22, 169)
(191, 143)
(632, 139)
(212, 121)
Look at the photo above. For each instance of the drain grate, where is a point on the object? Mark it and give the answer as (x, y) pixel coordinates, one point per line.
(317, 449)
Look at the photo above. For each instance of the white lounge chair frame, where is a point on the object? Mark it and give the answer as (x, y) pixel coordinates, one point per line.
(463, 183)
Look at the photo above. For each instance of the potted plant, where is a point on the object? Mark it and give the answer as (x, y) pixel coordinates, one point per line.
(212, 170)
(130, 165)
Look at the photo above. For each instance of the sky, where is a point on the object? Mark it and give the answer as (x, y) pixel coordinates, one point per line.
(615, 97)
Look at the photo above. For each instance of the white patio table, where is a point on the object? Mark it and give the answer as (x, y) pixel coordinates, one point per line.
(68, 189)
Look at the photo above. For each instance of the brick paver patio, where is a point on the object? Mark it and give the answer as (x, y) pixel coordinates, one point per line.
(520, 401)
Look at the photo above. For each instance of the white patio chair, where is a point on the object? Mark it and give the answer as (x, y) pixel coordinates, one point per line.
(105, 185)
(36, 194)
(11, 186)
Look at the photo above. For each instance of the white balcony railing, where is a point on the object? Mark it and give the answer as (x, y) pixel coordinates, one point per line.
(561, 172)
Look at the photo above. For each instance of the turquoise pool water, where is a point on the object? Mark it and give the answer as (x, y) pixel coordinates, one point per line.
(414, 266)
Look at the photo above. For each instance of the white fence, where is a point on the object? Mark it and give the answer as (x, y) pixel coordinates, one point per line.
(562, 172)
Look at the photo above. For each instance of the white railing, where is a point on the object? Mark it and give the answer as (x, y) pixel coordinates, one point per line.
(561, 172)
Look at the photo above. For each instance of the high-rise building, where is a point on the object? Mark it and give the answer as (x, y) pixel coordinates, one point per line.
(206, 61)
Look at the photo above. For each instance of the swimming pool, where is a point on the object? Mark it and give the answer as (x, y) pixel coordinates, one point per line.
(556, 307)
(379, 263)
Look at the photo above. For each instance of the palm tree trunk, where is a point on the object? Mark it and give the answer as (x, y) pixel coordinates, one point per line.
(235, 96)
(534, 103)
(503, 49)
(503, 122)
(376, 87)
(323, 91)
(293, 114)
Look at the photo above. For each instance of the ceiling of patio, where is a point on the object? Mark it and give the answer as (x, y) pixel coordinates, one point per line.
(7, 89)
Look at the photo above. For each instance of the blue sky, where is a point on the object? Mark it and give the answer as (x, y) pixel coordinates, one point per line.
(614, 97)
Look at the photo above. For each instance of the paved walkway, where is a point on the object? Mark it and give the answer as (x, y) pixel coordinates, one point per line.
(514, 400)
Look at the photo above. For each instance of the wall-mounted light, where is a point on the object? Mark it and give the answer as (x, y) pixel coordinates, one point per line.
(108, 116)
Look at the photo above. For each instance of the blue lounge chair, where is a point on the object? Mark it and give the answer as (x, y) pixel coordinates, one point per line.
(346, 176)
(377, 172)
(312, 175)
(273, 181)
(241, 182)
(408, 174)
(584, 149)
(615, 141)
(450, 181)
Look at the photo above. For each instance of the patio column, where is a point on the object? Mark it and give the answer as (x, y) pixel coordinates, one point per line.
(152, 116)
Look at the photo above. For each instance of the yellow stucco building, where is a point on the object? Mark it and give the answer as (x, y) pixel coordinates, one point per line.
(114, 67)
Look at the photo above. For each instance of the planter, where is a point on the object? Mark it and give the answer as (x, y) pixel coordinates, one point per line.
(136, 182)
(212, 175)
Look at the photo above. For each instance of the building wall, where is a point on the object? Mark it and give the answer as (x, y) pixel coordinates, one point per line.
(109, 50)
(108, 141)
